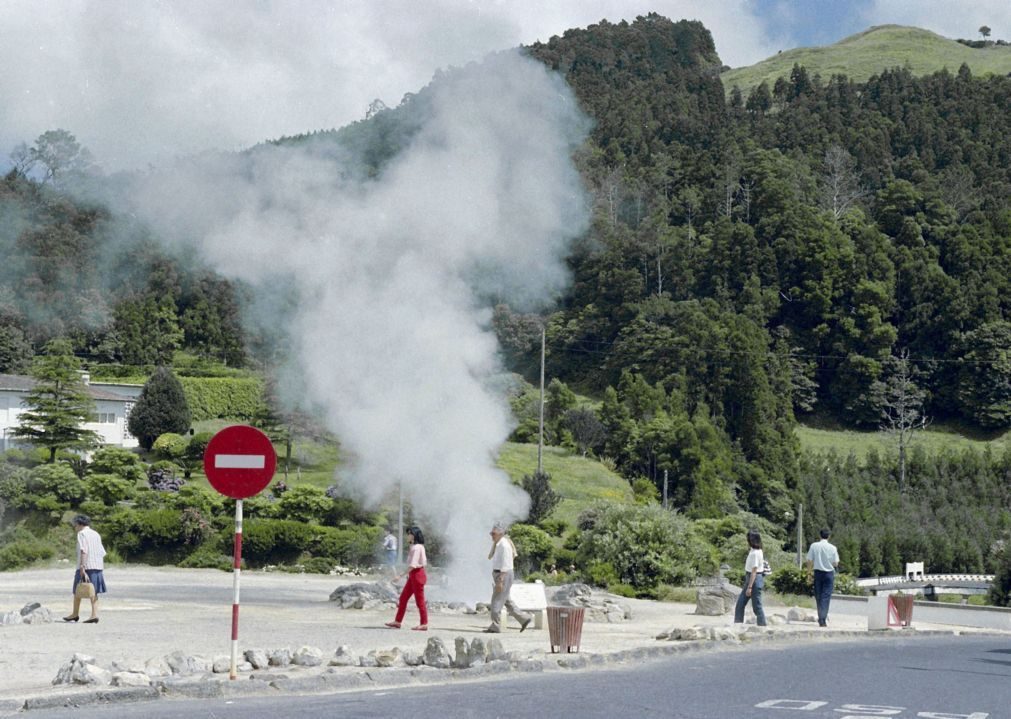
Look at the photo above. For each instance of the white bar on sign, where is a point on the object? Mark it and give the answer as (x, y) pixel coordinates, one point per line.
(240, 461)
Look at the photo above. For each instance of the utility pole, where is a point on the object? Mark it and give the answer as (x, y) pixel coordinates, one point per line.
(540, 428)
(800, 534)
(400, 526)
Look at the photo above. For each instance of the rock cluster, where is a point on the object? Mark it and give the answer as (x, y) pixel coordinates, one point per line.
(700, 633)
(31, 613)
(599, 607)
(84, 670)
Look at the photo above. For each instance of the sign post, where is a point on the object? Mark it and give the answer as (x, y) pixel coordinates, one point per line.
(239, 462)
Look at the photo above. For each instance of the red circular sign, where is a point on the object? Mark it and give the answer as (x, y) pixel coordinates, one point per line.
(239, 461)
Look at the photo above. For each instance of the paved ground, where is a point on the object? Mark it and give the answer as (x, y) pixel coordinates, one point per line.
(150, 612)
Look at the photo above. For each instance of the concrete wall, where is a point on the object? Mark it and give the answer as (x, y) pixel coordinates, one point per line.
(935, 613)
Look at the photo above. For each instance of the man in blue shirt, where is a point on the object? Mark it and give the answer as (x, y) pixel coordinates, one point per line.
(823, 560)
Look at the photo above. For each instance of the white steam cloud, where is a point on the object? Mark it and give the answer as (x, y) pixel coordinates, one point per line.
(391, 332)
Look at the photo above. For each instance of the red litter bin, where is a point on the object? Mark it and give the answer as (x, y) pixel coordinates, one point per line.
(565, 628)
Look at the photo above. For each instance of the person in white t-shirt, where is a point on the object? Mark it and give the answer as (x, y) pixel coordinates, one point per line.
(754, 581)
(502, 555)
(90, 566)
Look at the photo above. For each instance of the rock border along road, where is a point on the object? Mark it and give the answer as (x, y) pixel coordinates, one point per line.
(151, 612)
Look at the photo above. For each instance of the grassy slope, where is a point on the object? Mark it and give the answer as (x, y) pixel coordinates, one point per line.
(580, 481)
(867, 53)
(936, 437)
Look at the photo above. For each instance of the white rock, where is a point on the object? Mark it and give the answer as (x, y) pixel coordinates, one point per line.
(279, 657)
(307, 656)
(257, 658)
(131, 679)
(344, 657)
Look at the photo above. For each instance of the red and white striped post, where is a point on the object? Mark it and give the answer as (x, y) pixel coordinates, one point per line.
(236, 574)
(239, 462)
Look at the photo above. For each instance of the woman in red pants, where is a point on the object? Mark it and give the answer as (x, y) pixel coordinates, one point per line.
(416, 561)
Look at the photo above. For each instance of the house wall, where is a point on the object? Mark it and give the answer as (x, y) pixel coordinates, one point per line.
(111, 428)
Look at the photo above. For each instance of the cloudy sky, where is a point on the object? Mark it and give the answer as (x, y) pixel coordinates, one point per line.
(138, 81)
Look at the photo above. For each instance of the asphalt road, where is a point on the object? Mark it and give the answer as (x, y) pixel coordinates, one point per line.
(929, 678)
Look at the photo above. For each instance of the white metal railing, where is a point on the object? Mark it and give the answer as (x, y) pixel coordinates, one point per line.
(927, 578)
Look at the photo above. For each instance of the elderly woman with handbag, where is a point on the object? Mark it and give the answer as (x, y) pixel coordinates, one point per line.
(89, 580)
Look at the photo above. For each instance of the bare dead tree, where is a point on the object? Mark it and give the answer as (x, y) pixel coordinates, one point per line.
(841, 184)
(731, 187)
(901, 408)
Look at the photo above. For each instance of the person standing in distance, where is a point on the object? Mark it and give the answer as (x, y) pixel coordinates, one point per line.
(417, 560)
(390, 547)
(90, 565)
(823, 560)
(754, 581)
(502, 556)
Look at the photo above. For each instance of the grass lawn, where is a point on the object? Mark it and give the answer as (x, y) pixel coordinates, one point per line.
(580, 481)
(934, 438)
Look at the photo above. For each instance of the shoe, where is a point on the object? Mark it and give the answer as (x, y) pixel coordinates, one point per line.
(524, 625)
(421, 628)
(93, 620)
(393, 625)
(70, 619)
(492, 630)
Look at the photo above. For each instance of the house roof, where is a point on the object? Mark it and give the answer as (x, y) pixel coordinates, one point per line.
(21, 383)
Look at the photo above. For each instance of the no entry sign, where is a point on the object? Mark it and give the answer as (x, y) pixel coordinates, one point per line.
(239, 461)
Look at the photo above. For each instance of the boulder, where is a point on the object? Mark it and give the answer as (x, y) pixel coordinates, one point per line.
(496, 650)
(257, 658)
(365, 595)
(182, 663)
(797, 614)
(38, 615)
(307, 657)
(130, 679)
(279, 657)
(343, 657)
(462, 659)
(82, 669)
(388, 657)
(10, 618)
(29, 608)
(477, 654)
(157, 667)
(716, 600)
(597, 607)
(436, 655)
(413, 659)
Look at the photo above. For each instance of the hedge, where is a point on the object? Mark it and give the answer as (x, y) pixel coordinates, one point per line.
(230, 397)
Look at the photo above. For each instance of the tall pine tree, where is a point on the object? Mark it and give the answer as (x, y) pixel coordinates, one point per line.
(58, 405)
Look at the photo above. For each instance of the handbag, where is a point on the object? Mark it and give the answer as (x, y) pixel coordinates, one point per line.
(85, 590)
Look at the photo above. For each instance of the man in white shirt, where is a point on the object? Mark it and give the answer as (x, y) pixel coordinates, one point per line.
(823, 560)
(90, 566)
(502, 554)
(390, 548)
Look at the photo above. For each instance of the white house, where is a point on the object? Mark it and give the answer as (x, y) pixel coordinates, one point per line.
(112, 408)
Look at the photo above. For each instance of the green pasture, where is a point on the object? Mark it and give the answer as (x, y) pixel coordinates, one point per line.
(868, 53)
(932, 439)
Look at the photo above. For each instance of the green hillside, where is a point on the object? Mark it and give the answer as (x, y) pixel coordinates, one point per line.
(933, 439)
(580, 481)
(871, 51)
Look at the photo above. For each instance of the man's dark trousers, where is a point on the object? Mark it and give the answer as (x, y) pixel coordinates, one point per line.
(823, 584)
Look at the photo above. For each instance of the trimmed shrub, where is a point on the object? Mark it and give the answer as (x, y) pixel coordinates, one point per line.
(274, 541)
(533, 547)
(119, 461)
(24, 550)
(223, 397)
(108, 488)
(350, 546)
(304, 504)
(554, 527)
(170, 446)
(208, 556)
(56, 482)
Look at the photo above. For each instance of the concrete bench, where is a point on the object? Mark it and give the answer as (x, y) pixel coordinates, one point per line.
(529, 597)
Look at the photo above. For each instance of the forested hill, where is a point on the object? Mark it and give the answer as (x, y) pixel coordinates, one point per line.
(878, 48)
(817, 245)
